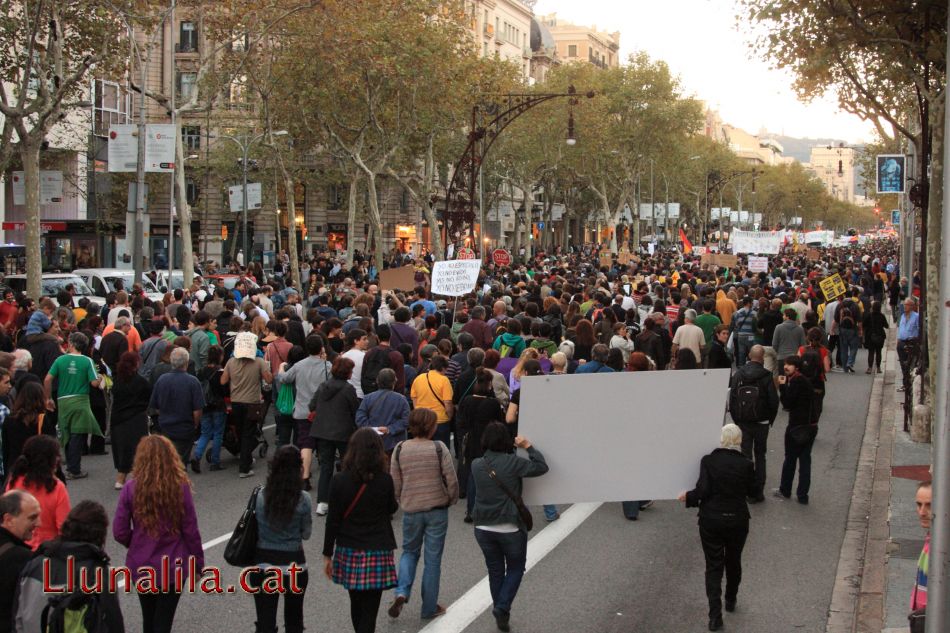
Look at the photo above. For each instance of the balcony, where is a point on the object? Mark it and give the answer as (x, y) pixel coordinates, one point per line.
(526, 52)
(186, 47)
(489, 30)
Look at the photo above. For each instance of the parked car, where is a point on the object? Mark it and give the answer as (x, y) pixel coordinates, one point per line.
(54, 282)
(102, 281)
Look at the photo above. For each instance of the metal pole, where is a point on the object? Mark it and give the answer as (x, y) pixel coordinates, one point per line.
(137, 264)
(245, 147)
(938, 573)
(171, 205)
(652, 201)
(481, 220)
(666, 213)
(706, 214)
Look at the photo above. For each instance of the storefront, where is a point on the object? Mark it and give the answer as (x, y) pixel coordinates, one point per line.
(64, 244)
(337, 234)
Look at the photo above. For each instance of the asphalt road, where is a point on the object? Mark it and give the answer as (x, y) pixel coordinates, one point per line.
(607, 575)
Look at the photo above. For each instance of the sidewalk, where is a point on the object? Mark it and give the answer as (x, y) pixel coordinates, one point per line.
(883, 537)
(910, 464)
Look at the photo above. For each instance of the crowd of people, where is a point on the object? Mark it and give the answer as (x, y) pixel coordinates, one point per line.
(408, 402)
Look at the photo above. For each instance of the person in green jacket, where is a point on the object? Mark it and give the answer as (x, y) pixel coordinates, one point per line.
(510, 344)
(542, 341)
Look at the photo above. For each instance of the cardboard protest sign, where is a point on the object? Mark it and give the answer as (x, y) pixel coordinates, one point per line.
(403, 278)
(722, 260)
(606, 260)
(455, 278)
(758, 264)
(245, 345)
(813, 254)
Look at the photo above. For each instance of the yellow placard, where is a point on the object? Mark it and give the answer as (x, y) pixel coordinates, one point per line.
(833, 287)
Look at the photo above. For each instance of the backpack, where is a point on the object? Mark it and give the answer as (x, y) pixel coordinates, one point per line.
(847, 317)
(744, 403)
(506, 351)
(811, 364)
(375, 360)
(75, 612)
(212, 399)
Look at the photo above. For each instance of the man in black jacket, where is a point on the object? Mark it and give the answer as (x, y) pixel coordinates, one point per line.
(19, 516)
(754, 420)
(797, 395)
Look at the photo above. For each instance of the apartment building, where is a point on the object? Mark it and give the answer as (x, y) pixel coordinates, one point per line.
(503, 28)
(576, 43)
(834, 166)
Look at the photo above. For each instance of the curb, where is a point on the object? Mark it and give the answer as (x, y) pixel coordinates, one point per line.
(857, 600)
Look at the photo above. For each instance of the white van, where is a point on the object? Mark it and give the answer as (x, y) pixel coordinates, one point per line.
(54, 282)
(102, 281)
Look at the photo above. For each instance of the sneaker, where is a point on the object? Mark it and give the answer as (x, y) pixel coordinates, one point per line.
(395, 608)
(730, 605)
(501, 620)
(803, 500)
(249, 473)
(195, 465)
(554, 517)
(216, 467)
(79, 475)
(900, 389)
(322, 509)
(779, 494)
(468, 518)
(646, 504)
(118, 486)
(439, 610)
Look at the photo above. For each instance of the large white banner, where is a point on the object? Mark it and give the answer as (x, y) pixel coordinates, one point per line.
(456, 277)
(762, 242)
(612, 437)
(822, 238)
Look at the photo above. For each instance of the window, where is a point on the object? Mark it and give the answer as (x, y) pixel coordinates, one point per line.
(186, 86)
(192, 192)
(404, 201)
(187, 37)
(191, 137)
(111, 103)
(237, 94)
(335, 197)
(572, 50)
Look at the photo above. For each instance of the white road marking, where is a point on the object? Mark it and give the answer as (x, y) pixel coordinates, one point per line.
(473, 602)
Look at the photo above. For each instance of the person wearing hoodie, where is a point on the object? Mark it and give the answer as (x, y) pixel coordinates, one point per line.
(81, 541)
(510, 343)
(334, 404)
(725, 307)
(200, 343)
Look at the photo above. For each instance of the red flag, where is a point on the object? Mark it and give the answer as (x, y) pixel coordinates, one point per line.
(687, 245)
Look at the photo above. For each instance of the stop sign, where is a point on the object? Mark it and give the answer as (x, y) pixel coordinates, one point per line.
(501, 257)
(465, 253)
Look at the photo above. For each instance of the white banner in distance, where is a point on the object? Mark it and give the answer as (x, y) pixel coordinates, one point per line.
(600, 447)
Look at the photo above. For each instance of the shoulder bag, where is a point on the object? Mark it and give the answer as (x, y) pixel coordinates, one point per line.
(242, 546)
(359, 493)
(523, 512)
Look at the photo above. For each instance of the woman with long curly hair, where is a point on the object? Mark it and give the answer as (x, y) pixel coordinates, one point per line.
(358, 543)
(156, 520)
(29, 411)
(130, 395)
(284, 522)
(35, 472)
(584, 340)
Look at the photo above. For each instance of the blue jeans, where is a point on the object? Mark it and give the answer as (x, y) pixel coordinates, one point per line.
(74, 448)
(443, 433)
(212, 430)
(850, 343)
(631, 509)
(745, 343)
(505, 556)
(426, 528)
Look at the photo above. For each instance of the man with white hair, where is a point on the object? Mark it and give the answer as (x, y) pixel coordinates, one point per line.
(179, 400)
(690, 336)
(22, 364)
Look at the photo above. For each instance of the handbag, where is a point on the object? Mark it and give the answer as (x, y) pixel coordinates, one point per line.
(255, 412)
(359, 493)
(523, 512)
(242, 545)
(286, 396)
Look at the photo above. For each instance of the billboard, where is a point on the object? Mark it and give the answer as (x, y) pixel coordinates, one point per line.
(891, 173)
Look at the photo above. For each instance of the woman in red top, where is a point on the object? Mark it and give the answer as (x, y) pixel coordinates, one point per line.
(34, 471)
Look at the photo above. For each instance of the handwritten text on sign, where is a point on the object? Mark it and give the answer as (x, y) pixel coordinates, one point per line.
(455, 278)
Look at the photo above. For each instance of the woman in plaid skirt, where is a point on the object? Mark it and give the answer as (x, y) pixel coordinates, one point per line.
(359, 541)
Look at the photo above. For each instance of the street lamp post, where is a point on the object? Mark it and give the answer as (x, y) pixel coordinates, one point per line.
(245, 144)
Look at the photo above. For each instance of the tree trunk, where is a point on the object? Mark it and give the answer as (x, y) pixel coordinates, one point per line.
(351, 218)
(375, 219)
(184, 214)
(934, 302)
(30, 156)
(292, 231)
(425, 191)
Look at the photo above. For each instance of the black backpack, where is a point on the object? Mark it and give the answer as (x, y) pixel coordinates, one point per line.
(745, 402)
(76, 612)
(211, 395)
(375, 360)
(811, 364)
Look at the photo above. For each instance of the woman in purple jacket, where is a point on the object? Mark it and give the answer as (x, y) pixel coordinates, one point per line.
(156, 520)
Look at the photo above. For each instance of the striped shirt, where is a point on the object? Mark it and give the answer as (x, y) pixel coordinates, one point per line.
(422, 482)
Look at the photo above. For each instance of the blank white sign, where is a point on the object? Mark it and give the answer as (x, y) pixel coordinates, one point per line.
(621, 436)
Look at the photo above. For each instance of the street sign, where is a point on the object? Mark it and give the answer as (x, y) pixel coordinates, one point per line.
(833, 287)
(236, 197)
(540, 226)
(466, 253)
(51, 187)
(891, 173)
(501, 257)
(895, 217)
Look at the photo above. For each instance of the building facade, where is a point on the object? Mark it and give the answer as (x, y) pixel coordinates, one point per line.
(583, 44)
(834, 166)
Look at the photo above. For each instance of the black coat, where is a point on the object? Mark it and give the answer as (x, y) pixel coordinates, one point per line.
(12, 562)
(797, 397)
(335, 404)
(755, 373)
(726, 478)
(718, 358)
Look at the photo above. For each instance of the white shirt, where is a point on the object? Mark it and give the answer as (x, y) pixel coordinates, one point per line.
(356, 355)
